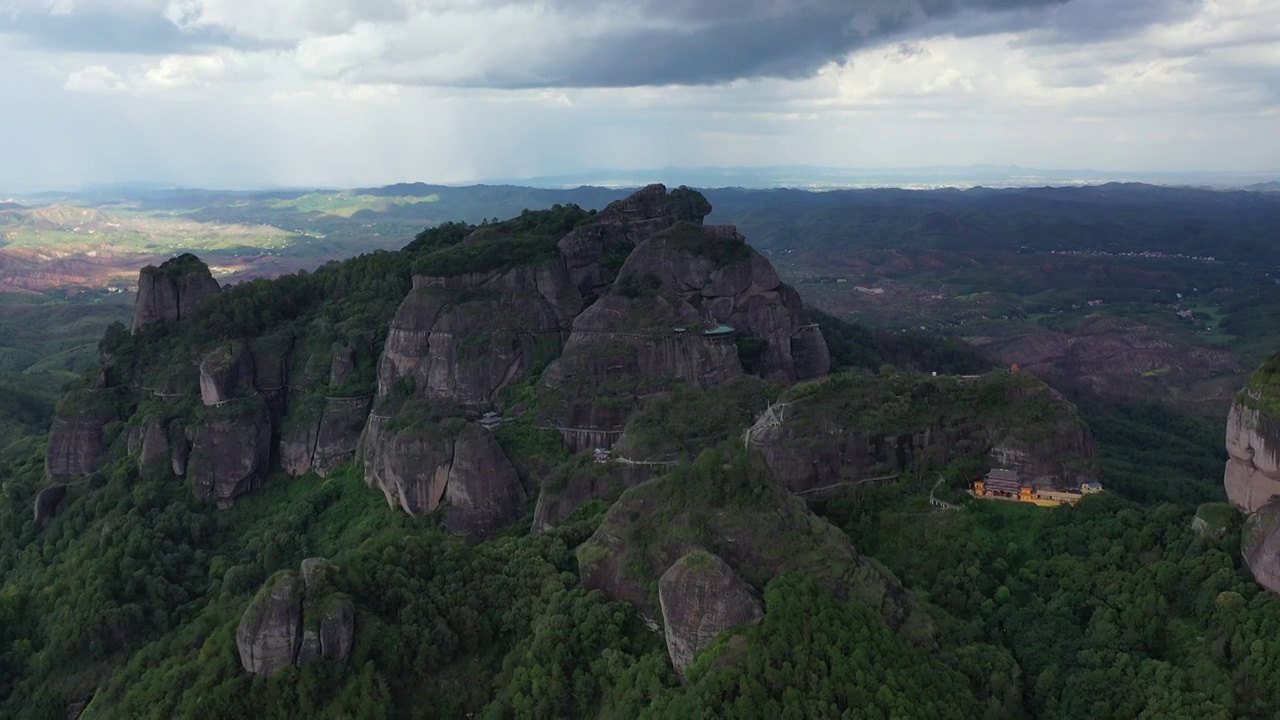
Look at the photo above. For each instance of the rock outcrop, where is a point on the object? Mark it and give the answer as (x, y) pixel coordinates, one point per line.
(702, 597)
(712, 268)
(422, 465)
(1215, 520)
(462, 339)
(483, 492)
(1260, 545)
(295, 620)
(854, 426)
(737, 511)
(155, 452)
(172, 291)
(594, 251)
(270, 630)
(622, 350)
(1252, 476)
(48, 502)
(224, 371)
(77, 439)
(231, 452)
(323, 441)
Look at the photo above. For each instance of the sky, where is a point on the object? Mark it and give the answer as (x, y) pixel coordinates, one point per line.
(341, 93)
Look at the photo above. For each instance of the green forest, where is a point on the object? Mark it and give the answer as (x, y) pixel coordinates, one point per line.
(127, 603)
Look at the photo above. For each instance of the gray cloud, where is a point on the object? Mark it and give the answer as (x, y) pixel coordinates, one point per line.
(708, 42)
(129, 32)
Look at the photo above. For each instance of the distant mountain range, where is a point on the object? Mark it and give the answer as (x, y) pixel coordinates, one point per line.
(811, 177)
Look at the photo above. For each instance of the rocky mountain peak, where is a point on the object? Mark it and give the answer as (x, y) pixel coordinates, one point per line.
(172, 291)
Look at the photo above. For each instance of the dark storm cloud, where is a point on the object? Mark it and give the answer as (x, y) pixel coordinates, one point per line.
(112, 32)
(707, 42)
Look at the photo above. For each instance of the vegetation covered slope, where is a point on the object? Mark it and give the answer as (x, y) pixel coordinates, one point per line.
(127, 603)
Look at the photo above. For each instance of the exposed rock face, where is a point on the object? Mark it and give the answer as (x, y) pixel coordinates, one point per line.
(621, 350)
(648, 529)
(224, 371)
(47, 504)
(462, 339)
(180, 446)
(77, 439)
(594, 251)
(590, 481)
(702, 597)
(271, 358)
(1252, 476)
(420, 466)
(827, 436)
(325, 442)
(483, 492)
(270, 630)
(713, 268)
(1260, 545)
(296, 620)
(329, 617)
(155, 452)
(172, 291)
(1214, 520)
(231, 452)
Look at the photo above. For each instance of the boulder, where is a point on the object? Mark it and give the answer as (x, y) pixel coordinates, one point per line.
(172, 291)
(298, 434)
(1260, 545)
(737, 511)
(410, 464)
(1214, 520)
(231, 452)
(224, 371)
(270, 631)
(701, 597)
(328, 625)
(48, 502)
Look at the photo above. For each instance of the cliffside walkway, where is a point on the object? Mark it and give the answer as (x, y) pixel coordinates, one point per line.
(846, 483)
(938, 503)
(772, 417)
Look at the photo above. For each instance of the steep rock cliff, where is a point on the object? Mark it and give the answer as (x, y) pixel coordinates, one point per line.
(1260, 545)
(296, 619)
(48, 502)
(172, 291)
(270, 630)
(421, 463)
(594, 251)
(1252, 476)
(462, 339)
(231, 452)
(226, 371)
(853, 426)
(78, 437)
(713, 269)
(702, 597)
(622, 350)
